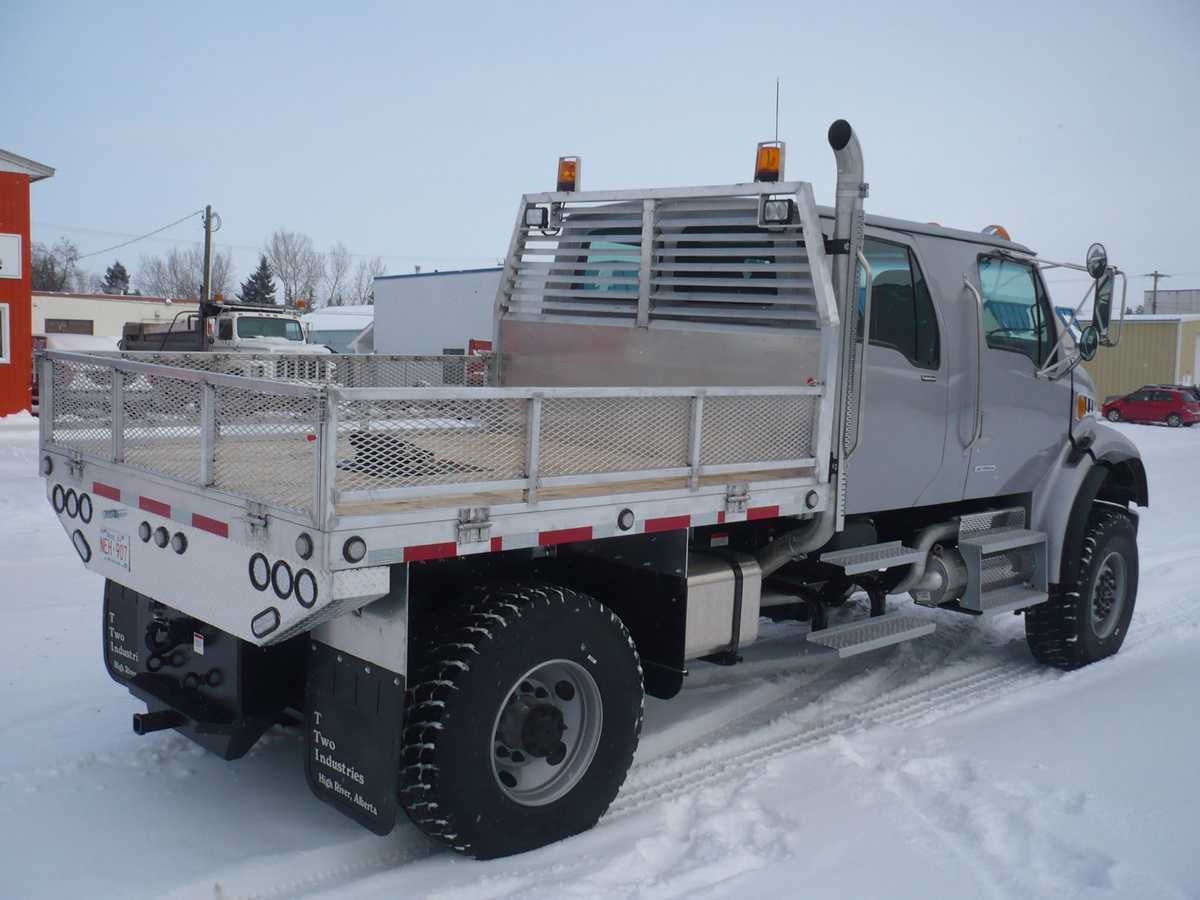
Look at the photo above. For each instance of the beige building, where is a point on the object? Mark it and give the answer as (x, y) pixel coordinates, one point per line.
(1154, 349)
(102, 315)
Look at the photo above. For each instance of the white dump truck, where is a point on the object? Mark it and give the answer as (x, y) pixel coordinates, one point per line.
(705, 405)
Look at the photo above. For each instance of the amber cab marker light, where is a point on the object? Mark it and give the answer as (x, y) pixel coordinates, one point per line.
(768, 161)
(568, 173)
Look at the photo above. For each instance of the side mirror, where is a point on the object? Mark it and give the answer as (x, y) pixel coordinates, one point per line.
(1102, 308)
(1089, 342)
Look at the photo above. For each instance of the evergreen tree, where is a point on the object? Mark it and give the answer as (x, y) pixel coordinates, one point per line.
(259, 288)
(116, 279)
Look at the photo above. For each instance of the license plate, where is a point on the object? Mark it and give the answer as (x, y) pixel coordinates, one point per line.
(114, 546)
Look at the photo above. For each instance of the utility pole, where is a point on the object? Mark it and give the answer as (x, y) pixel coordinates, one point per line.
(206, 288)
(1154, 291)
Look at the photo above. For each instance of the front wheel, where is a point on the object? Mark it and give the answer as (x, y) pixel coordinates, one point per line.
(1087, 620)
(524, 724)
(1174, 420)
(1114, 415)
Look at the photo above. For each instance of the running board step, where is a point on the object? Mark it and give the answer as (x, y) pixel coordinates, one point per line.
(997, 540)
(882, 631)
(873, 557)
(1010, 599)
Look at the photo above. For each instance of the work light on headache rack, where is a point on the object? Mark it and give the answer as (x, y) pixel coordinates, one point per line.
(773, 212)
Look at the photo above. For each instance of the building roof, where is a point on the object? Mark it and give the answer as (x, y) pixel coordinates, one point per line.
(1160, 317)
(11, 162)
(444, 272)
(136, 298)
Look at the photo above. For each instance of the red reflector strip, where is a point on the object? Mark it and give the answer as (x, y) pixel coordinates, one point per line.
(721, 518)
(668, 523)
(213, 526)
(762, 512)
(497, 544)
(564, 536)
(430, 551)
(106, 490)
(155, 506)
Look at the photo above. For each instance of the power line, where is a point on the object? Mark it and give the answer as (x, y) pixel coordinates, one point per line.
(142, 237)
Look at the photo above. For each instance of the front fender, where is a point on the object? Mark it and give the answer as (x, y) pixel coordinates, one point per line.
(1109, 469)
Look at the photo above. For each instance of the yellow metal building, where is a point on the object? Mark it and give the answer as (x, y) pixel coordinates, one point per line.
(1154, 349)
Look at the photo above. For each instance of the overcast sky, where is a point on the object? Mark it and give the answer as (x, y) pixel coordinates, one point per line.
(410, 131)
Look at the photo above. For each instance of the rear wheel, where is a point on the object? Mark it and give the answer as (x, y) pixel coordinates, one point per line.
(1087, 620)
(524, 724)
(1114, 415)
(1174, 420)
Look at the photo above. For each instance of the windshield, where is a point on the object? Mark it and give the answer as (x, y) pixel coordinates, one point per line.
(336, 340)
(259, 327)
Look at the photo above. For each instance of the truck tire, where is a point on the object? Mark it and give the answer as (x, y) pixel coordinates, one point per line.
(524, 722)
(1087, 620)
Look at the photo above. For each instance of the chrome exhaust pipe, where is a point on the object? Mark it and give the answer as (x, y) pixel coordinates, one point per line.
(848, 208)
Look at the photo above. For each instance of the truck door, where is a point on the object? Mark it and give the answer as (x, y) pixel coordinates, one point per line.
(1025, 418)
(904, 424)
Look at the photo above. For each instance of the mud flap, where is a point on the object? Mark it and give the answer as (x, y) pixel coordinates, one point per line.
(355, 717)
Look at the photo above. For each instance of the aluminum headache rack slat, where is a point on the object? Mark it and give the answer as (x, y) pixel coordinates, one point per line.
(303, 446)
(696, 255)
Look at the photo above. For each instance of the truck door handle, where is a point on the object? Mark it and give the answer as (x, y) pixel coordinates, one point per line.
(930, 378)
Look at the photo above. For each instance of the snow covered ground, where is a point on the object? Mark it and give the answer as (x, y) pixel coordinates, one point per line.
(953, 766)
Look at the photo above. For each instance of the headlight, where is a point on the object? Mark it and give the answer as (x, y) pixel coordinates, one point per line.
(536, 217)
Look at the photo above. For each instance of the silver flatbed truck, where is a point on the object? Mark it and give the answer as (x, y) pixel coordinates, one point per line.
(705, 405)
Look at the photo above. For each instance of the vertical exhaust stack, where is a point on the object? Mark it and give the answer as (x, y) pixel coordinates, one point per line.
(848, 208)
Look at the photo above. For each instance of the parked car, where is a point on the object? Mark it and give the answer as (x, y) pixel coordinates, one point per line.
(1174, 405)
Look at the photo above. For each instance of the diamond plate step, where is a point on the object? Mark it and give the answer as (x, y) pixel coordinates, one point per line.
(871, 634)
(1011, 598)
(873, 557)
(997, 540)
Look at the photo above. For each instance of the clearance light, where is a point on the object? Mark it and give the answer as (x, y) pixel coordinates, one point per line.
(568, 173)
(1084, 406)
(59, 498)
(85, 508)
(354, 550)
(144, 532)
(306, 588)
(768, 162)
(997, 231)
(179, 542)
(162, 537)
(71, 503)
(281, 579)
(81, 546)
(260, 572)
(304, 546)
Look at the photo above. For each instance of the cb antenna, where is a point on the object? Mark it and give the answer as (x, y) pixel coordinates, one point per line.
(777, 108)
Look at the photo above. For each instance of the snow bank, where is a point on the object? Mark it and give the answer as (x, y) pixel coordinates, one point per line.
(951, 766)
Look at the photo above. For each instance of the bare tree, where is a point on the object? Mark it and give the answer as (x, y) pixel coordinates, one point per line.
(362, 286)
(180, 274)
(55, 268)
(296, 263)
(337, 275)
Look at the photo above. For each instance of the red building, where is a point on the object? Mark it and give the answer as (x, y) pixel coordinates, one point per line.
(16, 343)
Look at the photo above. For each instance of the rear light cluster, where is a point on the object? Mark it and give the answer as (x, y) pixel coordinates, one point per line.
(162, 537)
(77, 506)
(301, 584)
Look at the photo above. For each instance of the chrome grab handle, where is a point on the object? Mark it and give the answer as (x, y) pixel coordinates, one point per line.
(862, 358)
(977, 434)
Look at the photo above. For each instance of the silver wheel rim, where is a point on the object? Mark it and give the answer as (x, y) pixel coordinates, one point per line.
(1114, 416)
(1174, 421)
(559, 698)
(1108, 594)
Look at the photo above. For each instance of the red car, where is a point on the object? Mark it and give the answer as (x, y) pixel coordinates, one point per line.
(1175, 406)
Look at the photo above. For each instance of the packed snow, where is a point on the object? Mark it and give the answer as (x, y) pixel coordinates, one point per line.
(952, 766)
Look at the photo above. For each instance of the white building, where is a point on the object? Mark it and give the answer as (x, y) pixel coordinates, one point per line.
(430, 313)
(343, 329)
(103, 315)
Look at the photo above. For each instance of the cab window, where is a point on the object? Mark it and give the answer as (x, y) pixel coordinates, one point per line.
(902, 315)
(1016, 315)
(225, 330)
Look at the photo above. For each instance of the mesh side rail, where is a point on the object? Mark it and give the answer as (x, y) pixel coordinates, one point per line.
(256, 439)
(345, 370)
(420, 444)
